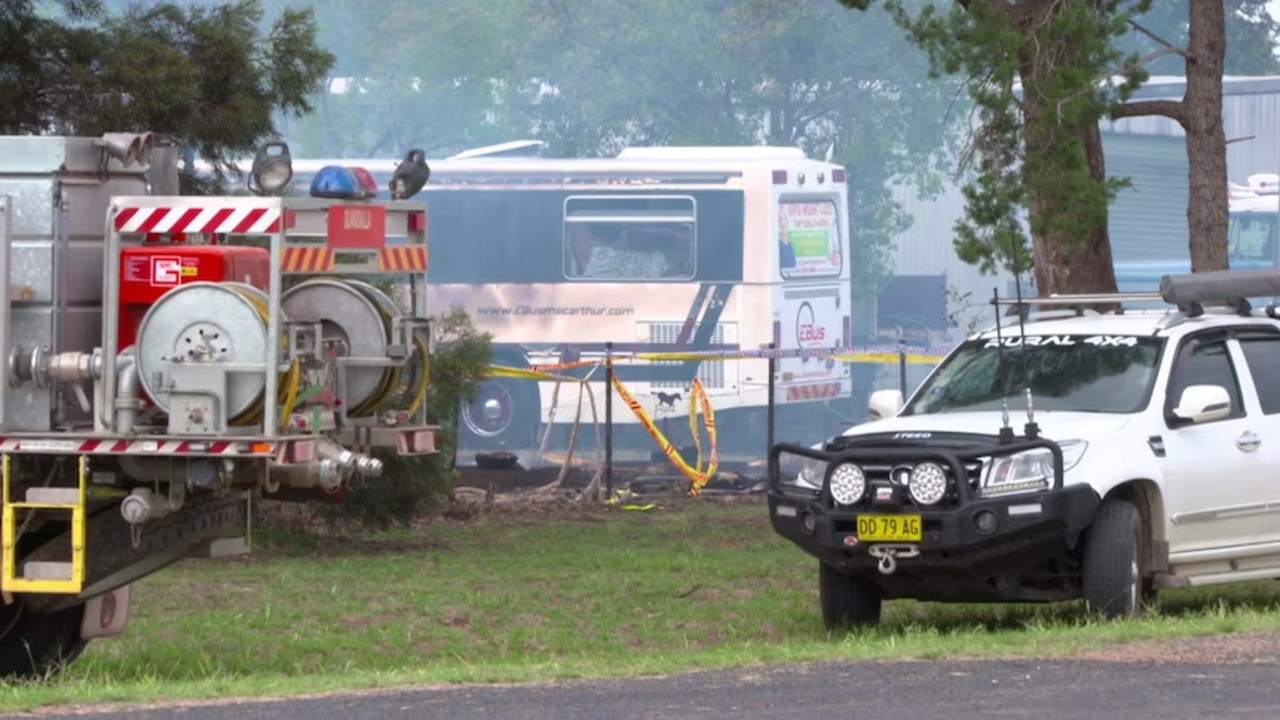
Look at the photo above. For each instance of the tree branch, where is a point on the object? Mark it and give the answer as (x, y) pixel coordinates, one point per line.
(1170, 47)
(1172, 109)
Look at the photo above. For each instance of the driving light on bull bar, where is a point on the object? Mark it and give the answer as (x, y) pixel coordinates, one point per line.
(927, 483)
(848, 483)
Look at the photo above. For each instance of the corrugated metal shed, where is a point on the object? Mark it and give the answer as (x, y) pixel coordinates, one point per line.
(1250, 109)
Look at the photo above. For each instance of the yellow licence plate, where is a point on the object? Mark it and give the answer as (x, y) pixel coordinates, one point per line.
(889, 528)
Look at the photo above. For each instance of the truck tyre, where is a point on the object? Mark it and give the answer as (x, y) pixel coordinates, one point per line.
(34, 645)
(503, 415)
(1113, 561)
(847, 600)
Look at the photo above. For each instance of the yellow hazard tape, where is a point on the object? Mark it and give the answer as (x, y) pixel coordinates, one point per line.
(911, 358)
(504, 371)
(698, 477)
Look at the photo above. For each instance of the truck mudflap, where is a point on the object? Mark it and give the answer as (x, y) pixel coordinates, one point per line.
(117, 555)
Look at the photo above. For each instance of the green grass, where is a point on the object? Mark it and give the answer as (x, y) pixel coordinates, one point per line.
(690, 585)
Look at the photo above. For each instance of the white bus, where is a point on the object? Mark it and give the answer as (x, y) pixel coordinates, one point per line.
(657, 249)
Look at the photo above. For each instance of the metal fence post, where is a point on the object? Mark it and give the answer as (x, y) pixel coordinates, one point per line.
(769, 408)
(608, 418)
(902, 363)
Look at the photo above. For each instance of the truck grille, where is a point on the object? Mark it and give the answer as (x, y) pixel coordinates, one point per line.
(711, 373)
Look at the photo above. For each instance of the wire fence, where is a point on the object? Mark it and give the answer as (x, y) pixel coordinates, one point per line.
(629, 422)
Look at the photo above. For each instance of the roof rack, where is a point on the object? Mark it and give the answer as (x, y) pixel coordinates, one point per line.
(1189, 292)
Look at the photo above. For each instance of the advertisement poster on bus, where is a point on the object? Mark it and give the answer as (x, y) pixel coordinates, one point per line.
(808, 239)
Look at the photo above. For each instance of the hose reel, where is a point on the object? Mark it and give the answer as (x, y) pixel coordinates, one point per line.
(212, 323)
(208, 325)
(358, 321)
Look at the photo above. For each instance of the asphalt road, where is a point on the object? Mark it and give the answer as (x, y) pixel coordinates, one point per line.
(917, 690)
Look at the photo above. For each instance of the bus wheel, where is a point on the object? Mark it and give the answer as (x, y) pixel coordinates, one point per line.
(504, 414)
(34, 645)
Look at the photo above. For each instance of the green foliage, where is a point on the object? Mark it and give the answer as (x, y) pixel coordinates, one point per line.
(210, 78)
(1252, 36)
(591, 76)
(412, 487)
(1034, 75)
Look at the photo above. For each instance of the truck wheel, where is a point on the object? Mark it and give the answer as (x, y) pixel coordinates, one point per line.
(1113, 561)
(847, 600)
(504, 414)
(35, 645)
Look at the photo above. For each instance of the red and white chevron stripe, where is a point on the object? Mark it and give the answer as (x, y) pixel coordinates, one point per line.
(133, 446)
(223, 218)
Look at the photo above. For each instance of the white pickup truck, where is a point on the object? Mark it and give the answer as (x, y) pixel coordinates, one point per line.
(1148, 457)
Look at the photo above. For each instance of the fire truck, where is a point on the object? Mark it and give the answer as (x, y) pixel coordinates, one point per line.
(168, 357)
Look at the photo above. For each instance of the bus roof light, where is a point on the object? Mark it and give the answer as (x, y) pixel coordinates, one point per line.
(272, 169)
(779, 177)
(410, 176)
(837, 175)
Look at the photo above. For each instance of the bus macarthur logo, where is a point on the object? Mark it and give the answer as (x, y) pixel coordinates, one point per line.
(808, 333)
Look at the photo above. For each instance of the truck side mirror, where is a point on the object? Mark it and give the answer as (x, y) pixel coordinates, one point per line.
(1203, 403)
(884, 404)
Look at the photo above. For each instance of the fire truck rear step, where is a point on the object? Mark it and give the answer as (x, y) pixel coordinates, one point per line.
(60, 577)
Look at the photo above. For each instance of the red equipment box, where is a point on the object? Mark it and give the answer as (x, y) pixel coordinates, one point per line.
(149, 271)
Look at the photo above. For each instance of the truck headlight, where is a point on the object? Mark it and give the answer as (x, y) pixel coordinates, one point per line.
(1030, 470)
(810, 474)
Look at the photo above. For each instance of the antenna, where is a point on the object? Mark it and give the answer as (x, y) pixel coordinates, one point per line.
(1006, 432)
(1031, 429)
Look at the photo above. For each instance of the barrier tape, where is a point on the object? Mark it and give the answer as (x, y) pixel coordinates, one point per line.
(698, 477)
(546, 372)
(504, 371)
(885, 357)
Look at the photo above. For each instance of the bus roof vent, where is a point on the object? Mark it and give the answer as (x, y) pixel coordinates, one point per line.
(515, 148)
(714, 152)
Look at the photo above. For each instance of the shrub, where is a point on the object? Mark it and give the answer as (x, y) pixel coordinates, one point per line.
(412, 487)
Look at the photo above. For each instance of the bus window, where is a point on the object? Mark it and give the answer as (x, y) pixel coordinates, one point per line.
(633, 238)
(808, 239)
(1251, 238)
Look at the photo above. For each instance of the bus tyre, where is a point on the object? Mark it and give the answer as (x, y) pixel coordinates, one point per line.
(1112, 561)
(504, 414)
(847, 601)
(35, 646)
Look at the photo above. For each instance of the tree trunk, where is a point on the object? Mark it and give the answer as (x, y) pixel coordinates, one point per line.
(1206, 139)
(1070, 265)
(1065, 261)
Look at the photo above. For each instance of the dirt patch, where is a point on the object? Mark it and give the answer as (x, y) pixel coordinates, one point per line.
(1242, 649)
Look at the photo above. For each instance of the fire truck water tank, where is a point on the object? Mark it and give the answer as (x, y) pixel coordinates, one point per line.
(356, 321)
(149, 271)
(204, 322)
